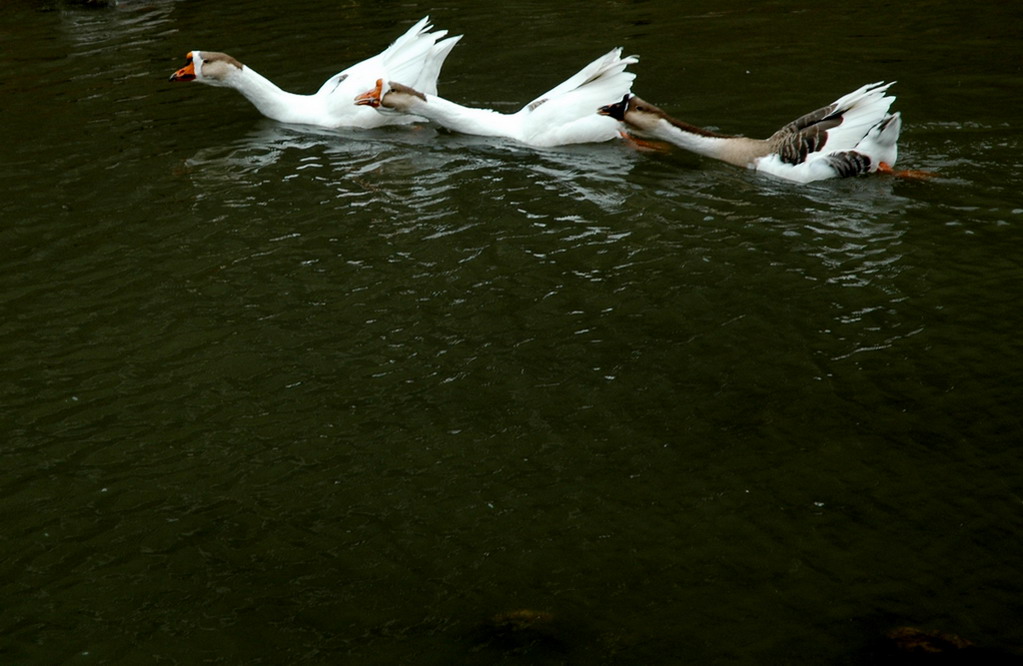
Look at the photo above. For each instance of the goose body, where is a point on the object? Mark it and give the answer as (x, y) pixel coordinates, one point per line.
(415, 56)
(563, 115)
(853, 135)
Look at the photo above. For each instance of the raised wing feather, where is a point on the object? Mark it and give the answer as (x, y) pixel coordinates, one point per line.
(603, 67)
(838, 126)
(414, 58)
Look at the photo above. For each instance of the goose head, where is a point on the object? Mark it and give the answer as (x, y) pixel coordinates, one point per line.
(208, 67)
(394, 96)
(634, 111)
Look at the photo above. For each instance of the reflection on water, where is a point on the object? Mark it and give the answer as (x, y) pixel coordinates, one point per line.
(431, 163)
(428, 186)
(296, 395)
(124, 25)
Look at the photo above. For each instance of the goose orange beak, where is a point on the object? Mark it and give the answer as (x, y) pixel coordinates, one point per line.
(186, 73)
(372, 97)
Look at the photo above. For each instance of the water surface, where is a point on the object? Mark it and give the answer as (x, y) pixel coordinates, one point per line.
(282, 395)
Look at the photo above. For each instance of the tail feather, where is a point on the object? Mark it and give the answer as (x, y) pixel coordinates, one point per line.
(603, 68)
(861, 110)
(410, 54)
(427, 81)
(881, 143)
(411, 35)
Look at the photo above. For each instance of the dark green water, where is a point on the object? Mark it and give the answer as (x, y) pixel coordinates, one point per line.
(274, 395)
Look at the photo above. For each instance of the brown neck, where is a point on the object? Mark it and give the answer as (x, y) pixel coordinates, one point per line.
(693, 129)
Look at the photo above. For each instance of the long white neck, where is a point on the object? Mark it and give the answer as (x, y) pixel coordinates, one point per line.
(463, 119)
(736, 150)
(273, 102)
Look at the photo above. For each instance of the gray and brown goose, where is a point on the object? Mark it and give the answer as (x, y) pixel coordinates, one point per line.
(853, 135)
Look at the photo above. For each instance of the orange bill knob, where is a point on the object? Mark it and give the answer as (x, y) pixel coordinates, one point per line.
(186, 73)
(372, 97)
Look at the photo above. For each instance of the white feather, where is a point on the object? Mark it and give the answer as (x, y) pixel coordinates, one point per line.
(566, 114)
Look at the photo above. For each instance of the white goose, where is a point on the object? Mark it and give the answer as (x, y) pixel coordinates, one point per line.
(851, 136)
(415, 56)
(563, 115)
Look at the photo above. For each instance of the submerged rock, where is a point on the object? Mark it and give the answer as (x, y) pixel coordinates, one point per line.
(911, 639)
(521, 630)
(910, 646)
